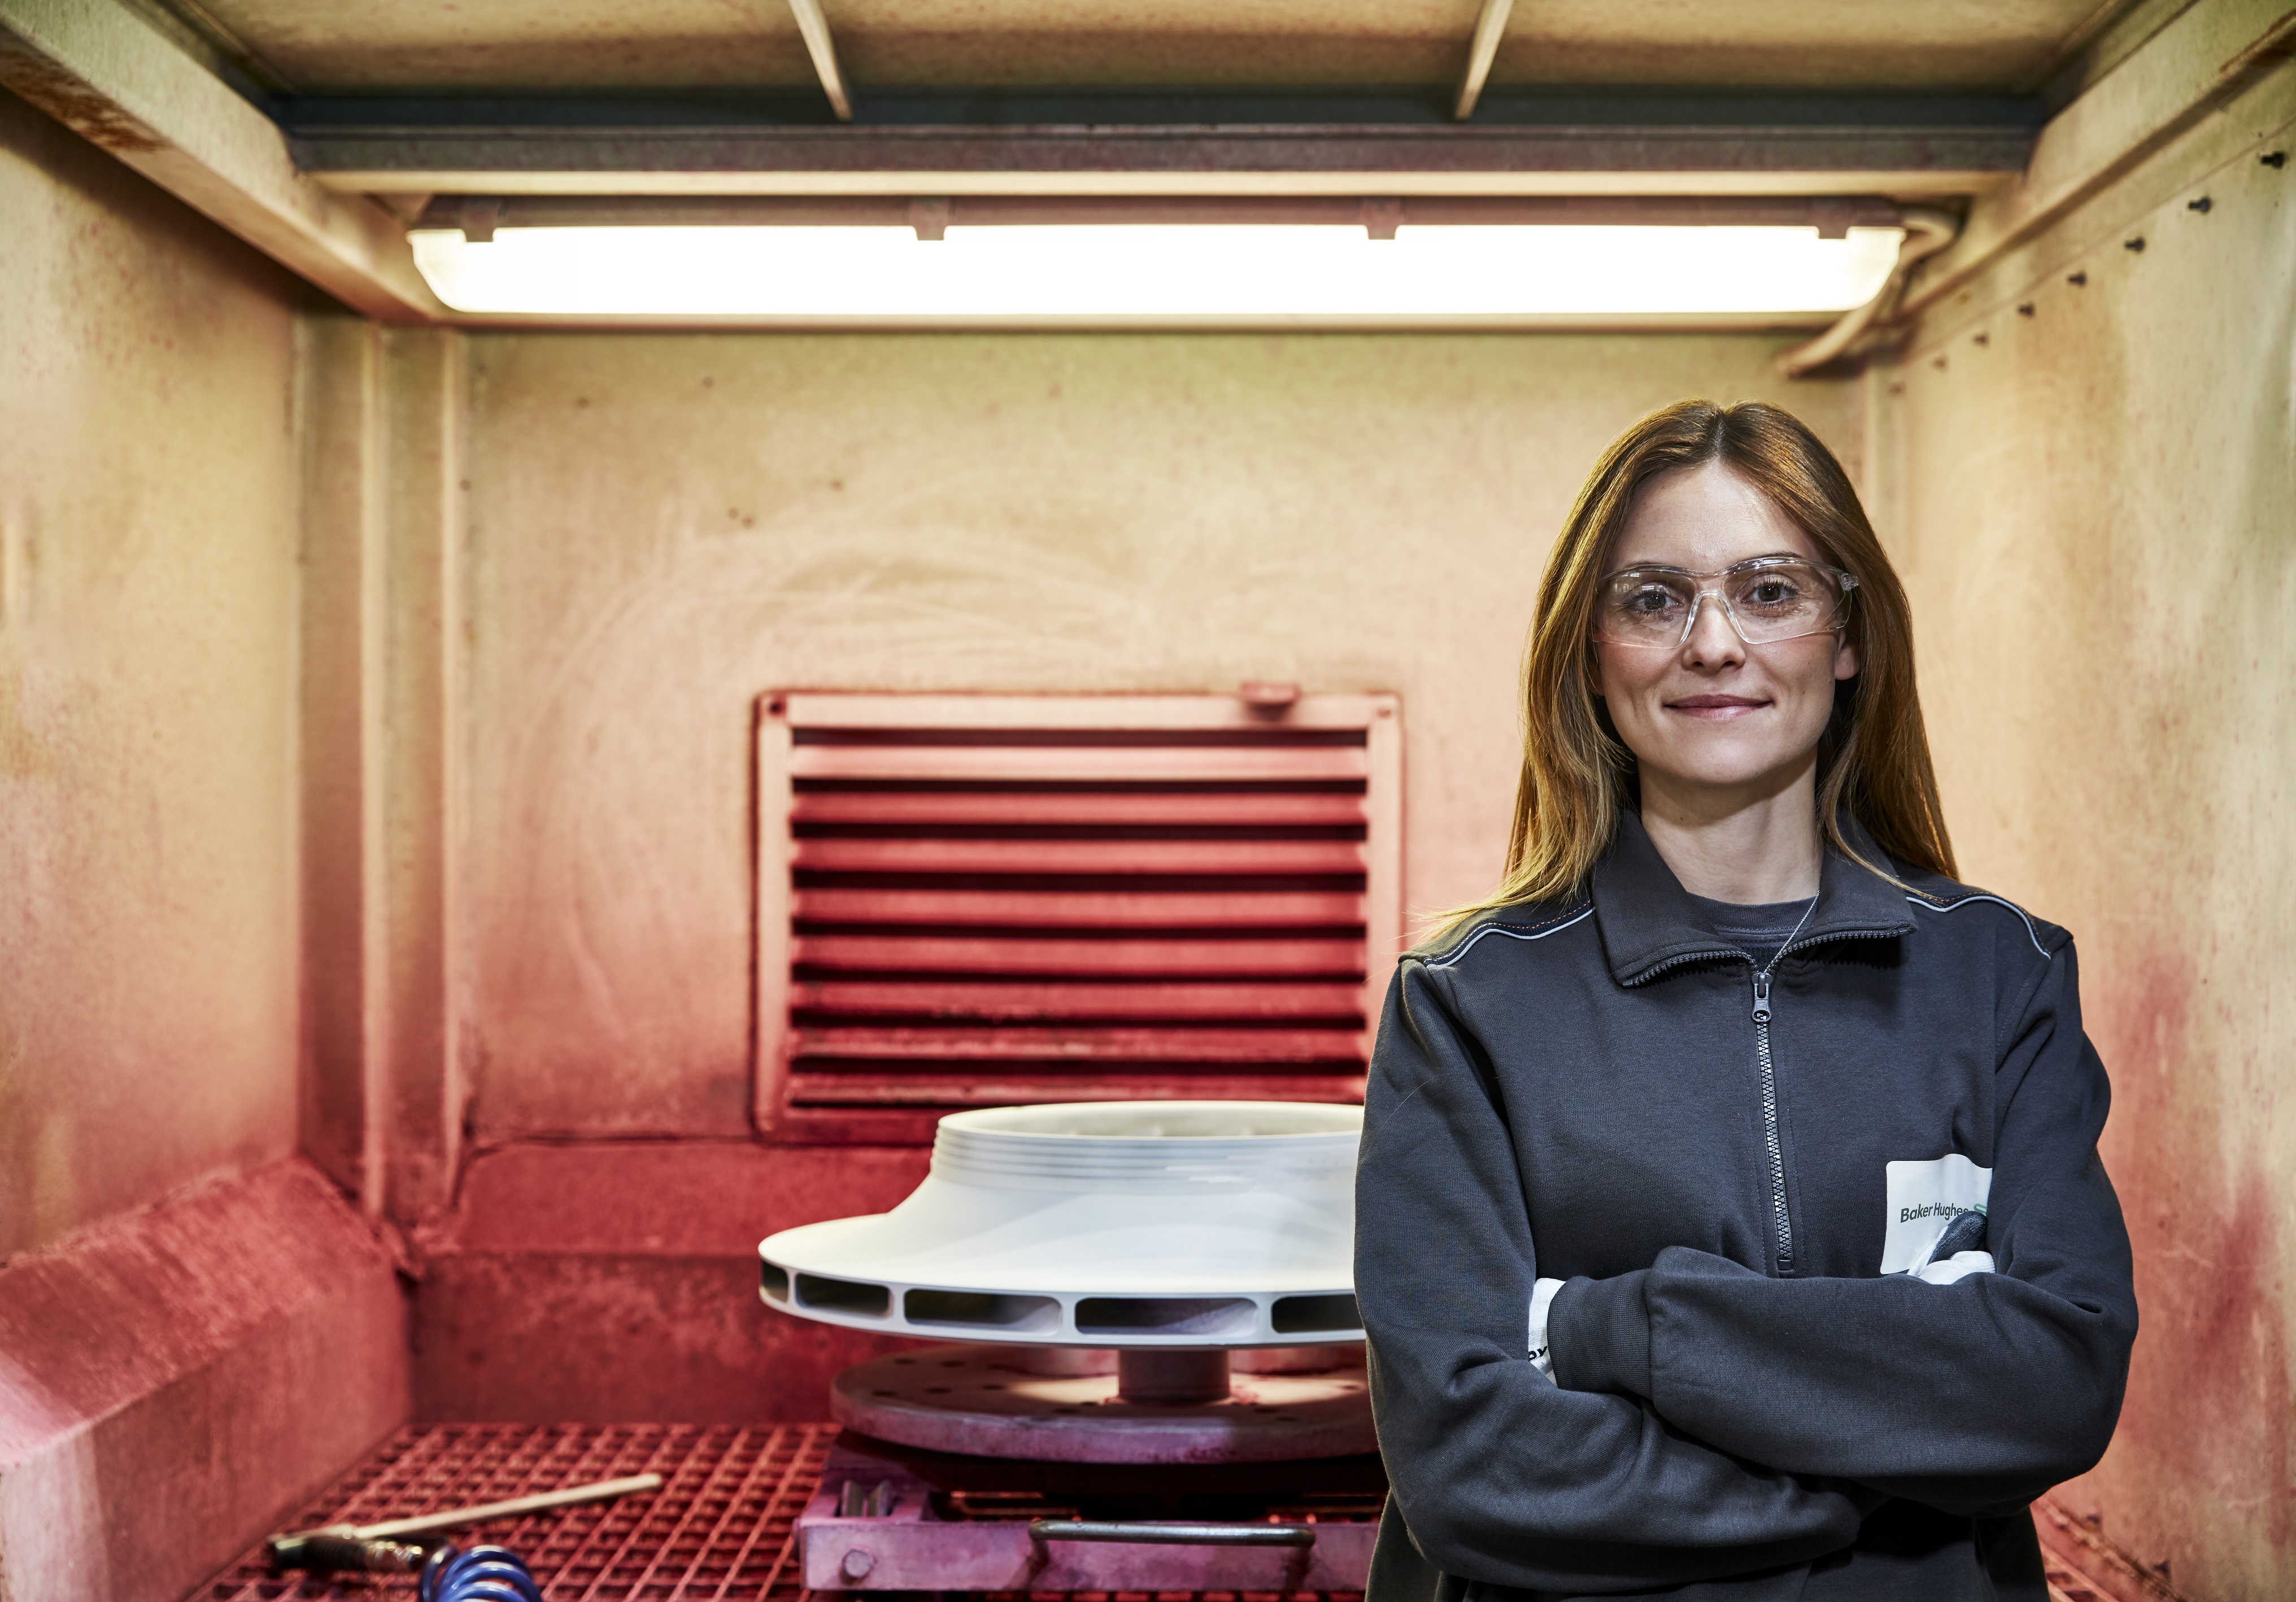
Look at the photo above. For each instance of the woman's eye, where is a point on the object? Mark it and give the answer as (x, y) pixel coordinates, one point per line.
(1650, 602)
(1771, 592)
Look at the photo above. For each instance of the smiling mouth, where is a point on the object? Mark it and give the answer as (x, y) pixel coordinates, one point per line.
(1716, 708)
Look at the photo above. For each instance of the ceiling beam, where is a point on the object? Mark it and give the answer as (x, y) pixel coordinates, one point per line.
(1176, 143)
(823, 49)
(103, 72)
(1488, 26)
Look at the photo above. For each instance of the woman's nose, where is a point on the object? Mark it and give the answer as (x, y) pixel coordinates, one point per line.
(1711, 641)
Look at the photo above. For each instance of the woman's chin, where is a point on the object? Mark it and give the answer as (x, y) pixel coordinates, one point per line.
(1727, 773)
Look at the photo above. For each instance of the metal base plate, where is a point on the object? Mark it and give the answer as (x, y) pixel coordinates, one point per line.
(991, 1402)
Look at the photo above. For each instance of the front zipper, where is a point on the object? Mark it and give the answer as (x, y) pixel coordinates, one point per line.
(1768, 1069)
(1770, 1090)
(1775, 1149)
(1770, 1115)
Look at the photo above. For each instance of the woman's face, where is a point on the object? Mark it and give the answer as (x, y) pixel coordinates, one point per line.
(1717, 714)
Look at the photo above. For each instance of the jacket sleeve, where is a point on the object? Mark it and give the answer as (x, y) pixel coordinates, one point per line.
(1972, 1397)
(1500, 1475)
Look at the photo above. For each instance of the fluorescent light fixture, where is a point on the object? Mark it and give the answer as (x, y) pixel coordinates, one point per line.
(1056, 274)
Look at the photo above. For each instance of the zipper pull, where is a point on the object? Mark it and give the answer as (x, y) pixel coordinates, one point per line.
(1762, 996)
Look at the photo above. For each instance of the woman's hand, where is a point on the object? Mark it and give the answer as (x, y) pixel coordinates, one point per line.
(1960, 1265)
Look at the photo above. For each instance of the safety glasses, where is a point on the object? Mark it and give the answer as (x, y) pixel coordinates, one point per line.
(1767, 599)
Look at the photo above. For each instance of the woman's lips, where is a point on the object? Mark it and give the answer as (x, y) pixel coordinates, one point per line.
(1716, 708)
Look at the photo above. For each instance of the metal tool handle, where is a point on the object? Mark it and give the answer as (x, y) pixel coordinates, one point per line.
(452, 1519)
(1174, 1534)
(324, 1554)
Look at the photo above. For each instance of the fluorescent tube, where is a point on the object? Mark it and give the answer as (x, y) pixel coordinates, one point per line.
(1272, 273)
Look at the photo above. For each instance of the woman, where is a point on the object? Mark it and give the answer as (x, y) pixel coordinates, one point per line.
(1730, 1223)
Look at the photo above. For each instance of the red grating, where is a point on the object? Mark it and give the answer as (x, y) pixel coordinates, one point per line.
(719, 1528)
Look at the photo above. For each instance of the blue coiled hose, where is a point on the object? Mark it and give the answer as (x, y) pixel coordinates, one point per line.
(482, 1574)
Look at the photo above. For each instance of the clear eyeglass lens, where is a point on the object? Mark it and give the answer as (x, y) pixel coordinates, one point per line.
(1774, 600)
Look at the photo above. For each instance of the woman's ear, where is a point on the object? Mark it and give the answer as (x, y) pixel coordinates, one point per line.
(1845, 659)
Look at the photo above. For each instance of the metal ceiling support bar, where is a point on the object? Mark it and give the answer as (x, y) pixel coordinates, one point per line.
(823, 49)
(1830, 217)
(1488, 26)
(103, 72)
(1178, 145)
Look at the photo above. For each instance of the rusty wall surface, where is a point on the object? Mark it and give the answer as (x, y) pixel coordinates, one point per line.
(2094, 503)
(662, 526)
(148, 532)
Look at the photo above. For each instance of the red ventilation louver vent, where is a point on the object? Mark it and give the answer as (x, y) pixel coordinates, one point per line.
(968, 901)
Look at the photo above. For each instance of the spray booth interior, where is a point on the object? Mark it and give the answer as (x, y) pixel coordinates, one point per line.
(432, 955)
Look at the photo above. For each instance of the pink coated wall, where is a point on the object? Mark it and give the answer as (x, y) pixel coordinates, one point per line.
(607, 1280)
(2094, 502)
(195, 1329)
(663, 527)
(148, 526)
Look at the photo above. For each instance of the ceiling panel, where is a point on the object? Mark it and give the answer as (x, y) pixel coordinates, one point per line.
(1801, 44)
(460, 45)
(532, 45)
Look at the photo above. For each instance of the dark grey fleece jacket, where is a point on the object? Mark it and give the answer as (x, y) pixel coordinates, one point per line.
(1743, 1405)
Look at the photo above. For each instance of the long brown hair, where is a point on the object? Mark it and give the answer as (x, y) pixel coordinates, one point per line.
(1874, 759)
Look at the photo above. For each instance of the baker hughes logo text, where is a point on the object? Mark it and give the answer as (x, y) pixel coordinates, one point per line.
(1936, 1210)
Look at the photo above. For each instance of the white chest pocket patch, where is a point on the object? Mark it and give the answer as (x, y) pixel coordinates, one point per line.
(1924, 1198)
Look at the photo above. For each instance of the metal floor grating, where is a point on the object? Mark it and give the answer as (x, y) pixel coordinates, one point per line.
(719, 1528)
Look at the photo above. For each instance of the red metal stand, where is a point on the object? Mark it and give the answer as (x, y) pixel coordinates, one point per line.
(876, 1524)
(1058, 1471)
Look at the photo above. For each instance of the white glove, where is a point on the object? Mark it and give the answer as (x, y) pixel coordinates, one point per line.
(1959, 1266)
(1541, 1297)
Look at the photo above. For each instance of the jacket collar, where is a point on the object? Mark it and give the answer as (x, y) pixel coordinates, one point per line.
(1649, 922)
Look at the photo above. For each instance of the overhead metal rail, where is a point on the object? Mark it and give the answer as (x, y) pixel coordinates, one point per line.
(1178, 141)
(478, 216)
